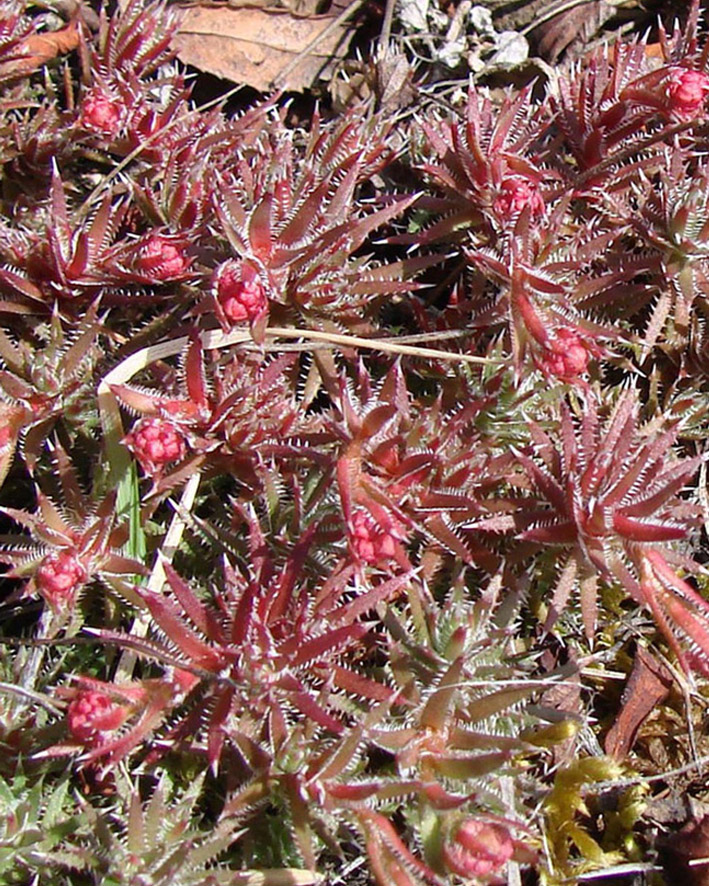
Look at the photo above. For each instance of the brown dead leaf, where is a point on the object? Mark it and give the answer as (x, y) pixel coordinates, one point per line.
(394, 81)
(556, 27)
(38, 49)
(351, 85)
(649, 684)
(42, 48)
(300, 7)
(252, 46)
(555, 35)
(389, 78)
(563, 700)
(685, 855)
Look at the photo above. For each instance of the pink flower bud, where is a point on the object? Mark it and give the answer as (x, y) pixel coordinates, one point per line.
(156, 442)
(371, 542)
(687, 91)
(479, 849)
(566, 356)
(100, 113)
(239, 291)
(161, 258)
(515, 193)
(92, 714)
(59, 577)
